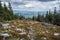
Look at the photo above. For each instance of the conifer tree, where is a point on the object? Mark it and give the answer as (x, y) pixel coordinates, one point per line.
(1, 12)
(46, 17)
(50, 16)
(54, 16)
(39, 17)
(34, 18)
(11, 11)
(6, 13)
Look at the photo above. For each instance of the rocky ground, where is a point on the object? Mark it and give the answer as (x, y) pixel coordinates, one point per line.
(28, 30)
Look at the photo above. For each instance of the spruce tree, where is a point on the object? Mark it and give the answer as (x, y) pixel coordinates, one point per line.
(34, 18)
(10, 8)
(54, 16)
(1, 12)
(50, 16)
(46, 16)
(11, 11)
(39, 18)
(6, 13)
(58, 19)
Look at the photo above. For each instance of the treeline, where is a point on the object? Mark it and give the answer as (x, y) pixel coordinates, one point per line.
(6, 13)
(50, 17)
(54, 17)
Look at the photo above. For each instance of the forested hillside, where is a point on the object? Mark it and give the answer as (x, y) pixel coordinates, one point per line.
(50, 17)
(6, 13)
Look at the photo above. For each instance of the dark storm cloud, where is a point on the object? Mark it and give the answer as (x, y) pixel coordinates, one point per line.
(31, 0)
(5, 0)
(35, 5)
(46, 0)
(18, 3)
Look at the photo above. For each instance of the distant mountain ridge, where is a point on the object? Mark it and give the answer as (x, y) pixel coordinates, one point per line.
(29, 13)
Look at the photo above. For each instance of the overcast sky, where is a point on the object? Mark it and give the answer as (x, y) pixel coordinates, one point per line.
(34, 5)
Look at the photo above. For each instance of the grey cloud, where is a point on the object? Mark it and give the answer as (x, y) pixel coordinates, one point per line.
(6, 0)
(18, 3)
(46, 0)
(33, 4)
